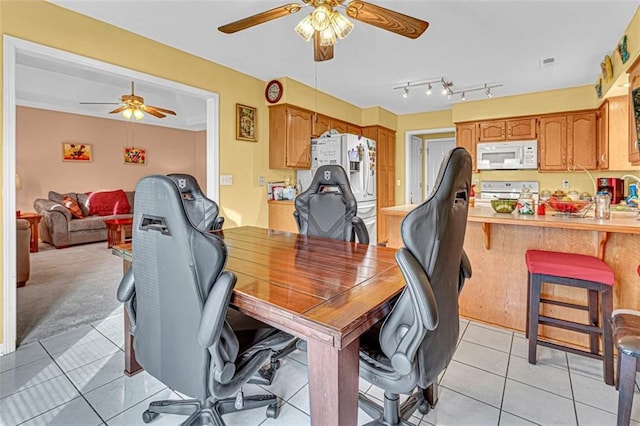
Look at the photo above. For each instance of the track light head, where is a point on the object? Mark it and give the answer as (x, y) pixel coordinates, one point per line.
(429, 91)
(406, 92)
(463, 97)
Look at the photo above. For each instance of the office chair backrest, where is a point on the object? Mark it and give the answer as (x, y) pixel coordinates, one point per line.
(327, 208)
(434, 234)
(203, 212)
(175, 265)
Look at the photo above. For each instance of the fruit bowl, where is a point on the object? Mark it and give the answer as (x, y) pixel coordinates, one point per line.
(504, 205)
(567, 206)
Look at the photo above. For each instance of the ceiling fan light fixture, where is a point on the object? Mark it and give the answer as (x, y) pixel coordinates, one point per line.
(137, 114)
(127, 113)
(321, 17)
(305, 29)
(327, 37)
(341, 25)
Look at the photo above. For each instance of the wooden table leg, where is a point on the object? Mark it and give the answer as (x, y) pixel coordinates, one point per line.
(333, 383)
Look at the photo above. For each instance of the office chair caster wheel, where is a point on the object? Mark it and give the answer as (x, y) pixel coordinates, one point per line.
(148, 416)
(275, 364)
(273, 410)
(424, 408)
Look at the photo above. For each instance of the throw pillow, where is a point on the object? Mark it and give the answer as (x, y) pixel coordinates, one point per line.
(107, 203)
(83, 202)
(57, 197)
(73, 206)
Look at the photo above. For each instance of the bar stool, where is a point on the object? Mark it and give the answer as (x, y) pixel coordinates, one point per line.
(573, 270)
(626, 334)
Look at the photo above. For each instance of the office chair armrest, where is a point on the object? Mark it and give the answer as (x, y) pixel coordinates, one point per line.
(425, 312)
(217, 223)
(361, 230)
(296, 217)
(127, 294)
(215, 309)
(465, 271)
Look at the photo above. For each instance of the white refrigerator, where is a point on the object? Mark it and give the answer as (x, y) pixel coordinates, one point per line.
(357, 156)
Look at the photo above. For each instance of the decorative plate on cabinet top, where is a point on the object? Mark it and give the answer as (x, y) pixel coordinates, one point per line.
(607, 69)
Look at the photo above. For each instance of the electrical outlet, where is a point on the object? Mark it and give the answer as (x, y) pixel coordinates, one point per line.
(398, 182)
(261, 181)
(475, 182)
(226, 180)
(565, 184)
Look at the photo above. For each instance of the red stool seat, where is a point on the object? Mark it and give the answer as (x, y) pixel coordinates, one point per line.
(573, 270)
(569, 265)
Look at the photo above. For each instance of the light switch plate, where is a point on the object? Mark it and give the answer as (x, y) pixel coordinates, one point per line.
(261, 181)
(565, 184)
(226, 180)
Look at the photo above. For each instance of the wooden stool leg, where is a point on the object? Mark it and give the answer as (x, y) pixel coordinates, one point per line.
(607, 334)
(534, 315)
(526, 328)
(627, 385)
(593, 297)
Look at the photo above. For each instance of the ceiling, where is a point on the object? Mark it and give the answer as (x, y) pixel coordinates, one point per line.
(468, 42)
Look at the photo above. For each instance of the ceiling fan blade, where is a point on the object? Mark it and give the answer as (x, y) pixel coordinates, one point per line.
(386, 19)
(321, 53)
(119, 109)
(153, 112)
(260, 18)
(166, 111)
(99, 103)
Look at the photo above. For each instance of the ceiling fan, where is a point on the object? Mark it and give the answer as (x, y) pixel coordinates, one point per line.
(133, 105)
(325, 24)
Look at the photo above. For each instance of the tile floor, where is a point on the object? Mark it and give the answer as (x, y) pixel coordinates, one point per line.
(76, 378)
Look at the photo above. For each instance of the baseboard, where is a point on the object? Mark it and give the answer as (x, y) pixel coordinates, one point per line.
(2, 349)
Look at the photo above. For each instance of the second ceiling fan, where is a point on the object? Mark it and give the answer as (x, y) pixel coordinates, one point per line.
(325, 24)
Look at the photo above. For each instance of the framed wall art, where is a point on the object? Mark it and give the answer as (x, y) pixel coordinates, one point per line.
(135, 155)
(78, 152)
(246, 123)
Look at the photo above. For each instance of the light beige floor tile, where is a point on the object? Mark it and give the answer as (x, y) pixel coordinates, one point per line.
(475, 383)
(454, 408)
(596, 393)
(73, 413)
(544, 355)
(27, 375)
(546, 377)
(133, 415)
(488, 337)
(479, 356)
(508, 419)
(86, 353)
(591, 416)
(23, 355)
(537, 405)
(97, 373)
(289, 379)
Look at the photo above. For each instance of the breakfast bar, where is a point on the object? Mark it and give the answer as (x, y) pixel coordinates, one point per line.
(496, 244)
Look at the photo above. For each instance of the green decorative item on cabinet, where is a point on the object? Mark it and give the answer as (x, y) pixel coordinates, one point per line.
(599, 88)
(622, 49)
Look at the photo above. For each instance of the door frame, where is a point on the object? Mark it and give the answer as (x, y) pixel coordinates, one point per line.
(407, 153)
(12, 46)
(425, 168)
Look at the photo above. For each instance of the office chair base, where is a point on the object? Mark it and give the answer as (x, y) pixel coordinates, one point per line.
(393, 413)
(210, 412)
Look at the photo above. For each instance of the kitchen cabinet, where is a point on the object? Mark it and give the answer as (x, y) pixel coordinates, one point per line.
(613, 134)
(289, 137)
(385, 173)
(507, 130)
(466, 138)
(634, 83)
(568, 141)
(323, 123)
(281, 216)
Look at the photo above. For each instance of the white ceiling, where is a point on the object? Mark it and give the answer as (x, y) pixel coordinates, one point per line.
(469, 42)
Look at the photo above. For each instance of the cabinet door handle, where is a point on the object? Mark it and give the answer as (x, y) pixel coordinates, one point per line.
(603, 157)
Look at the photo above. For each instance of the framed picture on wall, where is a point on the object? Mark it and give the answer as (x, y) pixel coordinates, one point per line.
(246, 123)
(135, 155)
(78, 152)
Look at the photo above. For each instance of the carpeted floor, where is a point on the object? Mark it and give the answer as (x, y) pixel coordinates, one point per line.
(67, 288)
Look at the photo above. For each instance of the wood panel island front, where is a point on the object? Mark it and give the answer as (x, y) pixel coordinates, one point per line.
(496, 244)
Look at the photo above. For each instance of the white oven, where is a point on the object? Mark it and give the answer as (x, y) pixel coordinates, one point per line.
(507, 155)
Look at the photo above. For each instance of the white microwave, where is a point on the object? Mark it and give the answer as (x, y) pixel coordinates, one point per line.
(513, 155)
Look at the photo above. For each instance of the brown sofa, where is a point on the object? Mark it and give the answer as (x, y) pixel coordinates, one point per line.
(60, 228)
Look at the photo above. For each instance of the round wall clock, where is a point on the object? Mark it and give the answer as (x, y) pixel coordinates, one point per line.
(273, 91)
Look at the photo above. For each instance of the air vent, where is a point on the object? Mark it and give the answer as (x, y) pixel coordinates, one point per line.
(547, 62)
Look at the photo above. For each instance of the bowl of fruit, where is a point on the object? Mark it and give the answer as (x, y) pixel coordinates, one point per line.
(504, 205)
(566, 205)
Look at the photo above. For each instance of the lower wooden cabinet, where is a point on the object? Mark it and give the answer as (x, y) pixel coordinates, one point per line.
(281, 216)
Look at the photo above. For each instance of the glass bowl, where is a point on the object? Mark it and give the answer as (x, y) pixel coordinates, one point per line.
(567, 206)
(504, 205)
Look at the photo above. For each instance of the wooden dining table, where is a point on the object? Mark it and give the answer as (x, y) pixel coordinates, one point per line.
(325, 291)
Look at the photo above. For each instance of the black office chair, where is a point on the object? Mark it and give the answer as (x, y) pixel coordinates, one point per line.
(202, 211)
(417, 339)
(177, 297)
(328, 208)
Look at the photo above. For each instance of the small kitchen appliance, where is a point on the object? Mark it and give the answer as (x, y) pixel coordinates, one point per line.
(614, 187)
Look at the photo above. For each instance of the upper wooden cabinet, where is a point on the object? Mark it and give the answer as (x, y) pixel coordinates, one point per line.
(289, 137)
(323, 123)
(568, 141)
(466, 138)
(507, 130)
(613, 134)
(634, 83)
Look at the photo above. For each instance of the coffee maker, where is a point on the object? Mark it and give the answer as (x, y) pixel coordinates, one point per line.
(614, 187)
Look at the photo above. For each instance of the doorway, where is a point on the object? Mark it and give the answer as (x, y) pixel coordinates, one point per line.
(423, 159)
(14, 47)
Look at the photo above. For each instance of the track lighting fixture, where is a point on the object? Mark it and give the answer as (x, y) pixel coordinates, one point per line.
(447, 88)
